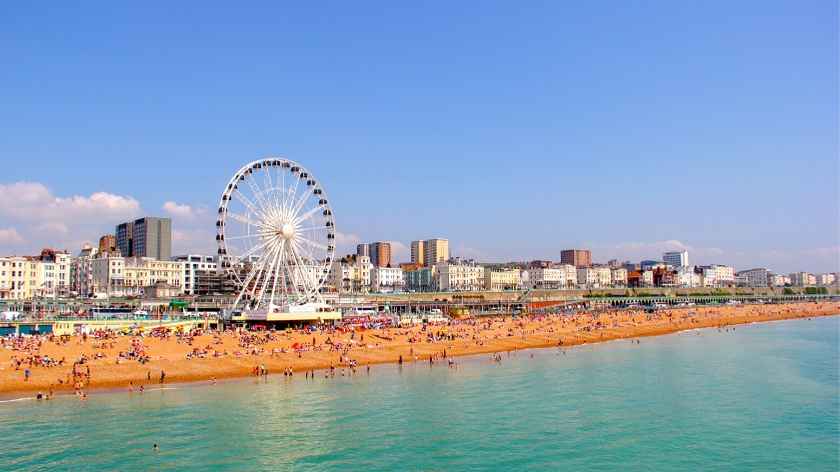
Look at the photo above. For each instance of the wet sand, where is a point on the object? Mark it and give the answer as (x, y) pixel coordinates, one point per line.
(232, 355)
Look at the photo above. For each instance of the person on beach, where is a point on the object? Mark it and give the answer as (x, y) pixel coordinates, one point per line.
(162, 376)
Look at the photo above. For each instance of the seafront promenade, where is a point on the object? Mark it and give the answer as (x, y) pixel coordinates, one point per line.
(107, 359)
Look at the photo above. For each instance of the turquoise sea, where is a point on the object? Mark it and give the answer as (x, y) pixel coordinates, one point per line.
(761, 398)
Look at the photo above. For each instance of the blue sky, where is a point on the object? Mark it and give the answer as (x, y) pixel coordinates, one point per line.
(515, 129)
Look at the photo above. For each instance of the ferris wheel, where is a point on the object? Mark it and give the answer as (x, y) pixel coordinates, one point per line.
(276, 235)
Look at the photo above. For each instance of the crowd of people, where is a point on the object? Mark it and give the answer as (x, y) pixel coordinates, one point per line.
(339, 349)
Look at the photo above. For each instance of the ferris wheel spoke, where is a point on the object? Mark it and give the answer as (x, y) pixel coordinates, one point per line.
(293, 196)
(253, 250)
(313, 244)
(248, 280)
(300, 268)
(282, 179)
(243, 219)
(246, 236)
(262, 275)
(249, 204)
(311, 228)
(268, 184)
(277, 268)
(269, 270)
(286, 274)
(300, 219)
(258, 193)
(310, 265)
(312, 260)
(302, 201)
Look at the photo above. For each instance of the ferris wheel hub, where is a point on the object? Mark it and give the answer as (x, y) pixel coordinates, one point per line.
(287, 231)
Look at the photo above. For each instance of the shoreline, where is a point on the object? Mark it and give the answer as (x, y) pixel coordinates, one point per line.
(499, 336)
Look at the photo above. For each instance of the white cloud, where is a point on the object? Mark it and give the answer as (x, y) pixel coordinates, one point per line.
(347, 239)
(43, 219)
(181, 210)
(345, 243)
(31, 201)
(10, 236)
(468, 252)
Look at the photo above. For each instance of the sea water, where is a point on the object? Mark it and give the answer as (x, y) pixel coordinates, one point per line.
(761, 397)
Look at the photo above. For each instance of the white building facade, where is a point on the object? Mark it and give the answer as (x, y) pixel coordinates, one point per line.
(459, 276)
(676, 259)
(387, 279)
(194, 265)
(755, 278)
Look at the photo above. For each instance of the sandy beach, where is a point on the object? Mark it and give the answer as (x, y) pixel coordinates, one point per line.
(48, 364)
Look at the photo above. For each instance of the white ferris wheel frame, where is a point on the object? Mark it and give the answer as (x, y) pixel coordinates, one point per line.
(282, 253)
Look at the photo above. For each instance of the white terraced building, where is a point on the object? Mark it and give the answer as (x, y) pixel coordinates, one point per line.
(386, 279)
(717, 275)
(559, 276)
(459, 276)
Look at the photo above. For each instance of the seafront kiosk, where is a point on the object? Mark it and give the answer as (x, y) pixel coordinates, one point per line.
(288, 315)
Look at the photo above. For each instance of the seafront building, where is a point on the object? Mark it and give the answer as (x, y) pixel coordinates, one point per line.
(55, 273)
(351, 274)
(825, 280)
(594, 277)
(201, 275)
(757, 277)
(380, 254)
(676, 259)
(618, 277)
(45, 276)
(778, 280)
(561, 276)
(435, 251)
(116, 276)
(688, 277)
(717, 275)
(576, 257)
(108, 243)
(18, 278)
(363, 250)
(803, 279)
(145, 237)
(420, 279)
(455, 275)
(417, 253)
(502, 279)
(342, 277)
(387, 279)
(105, 270)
